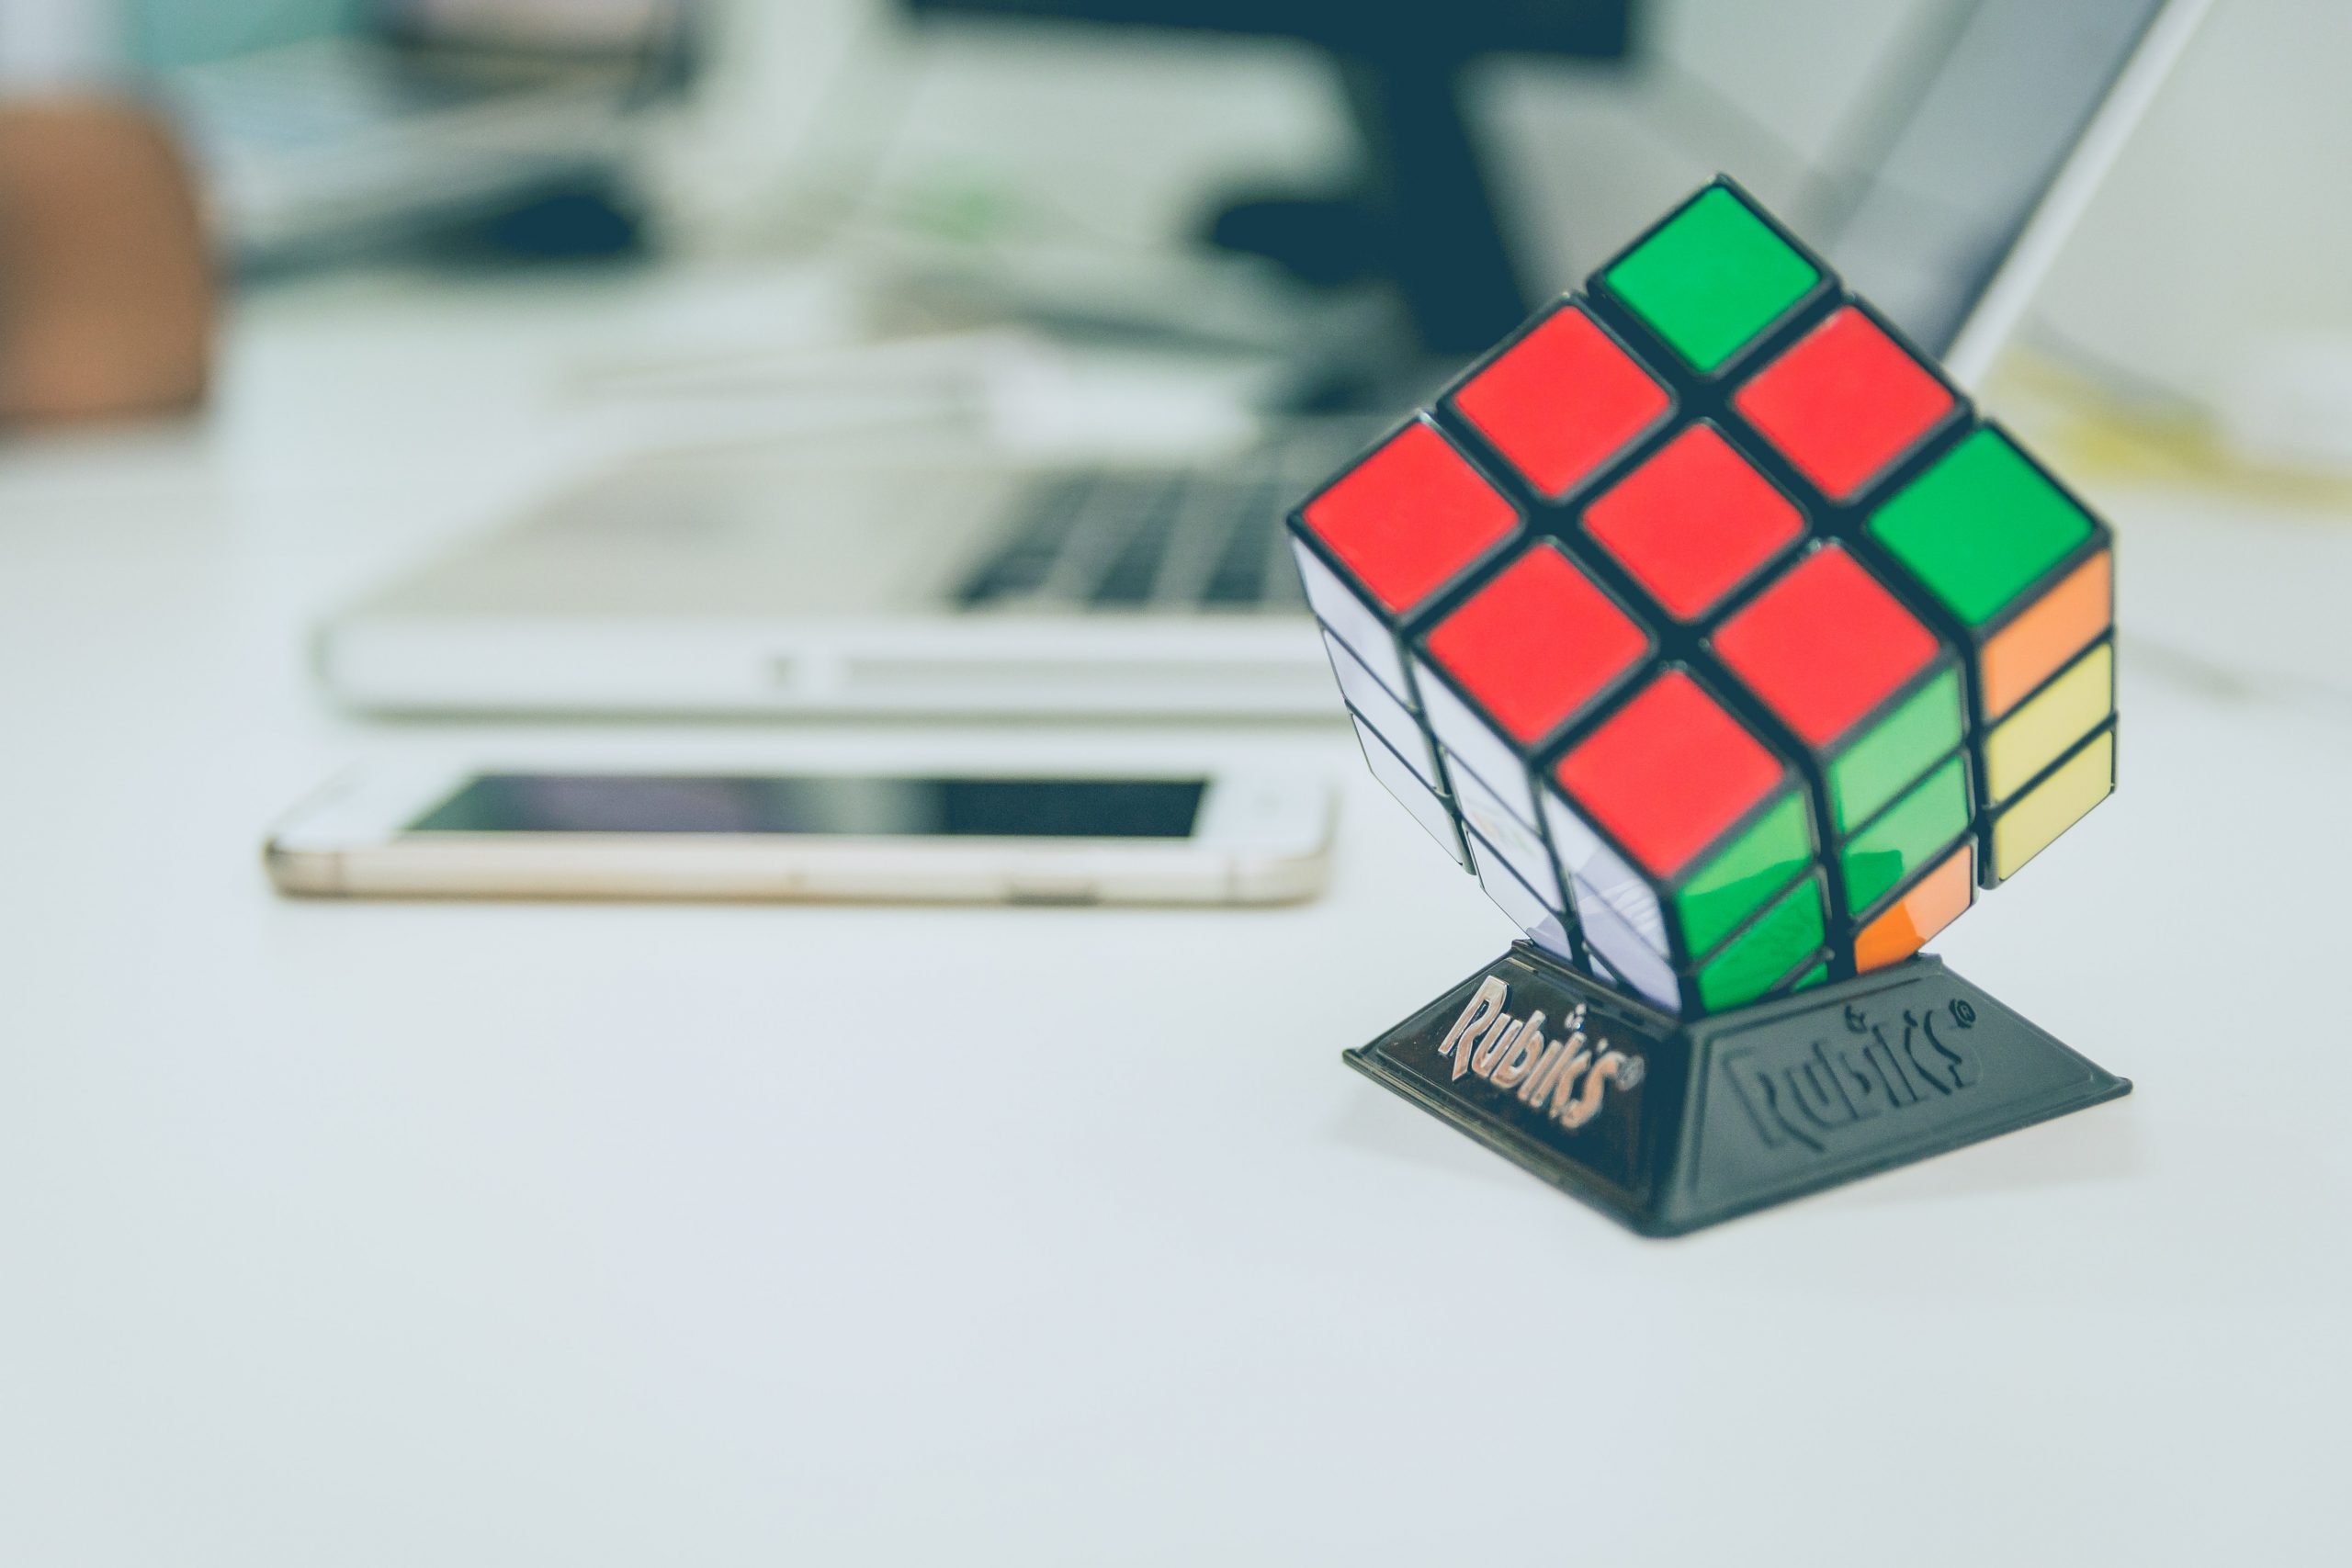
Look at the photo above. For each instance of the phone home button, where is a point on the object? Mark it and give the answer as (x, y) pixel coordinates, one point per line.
(1051, 890)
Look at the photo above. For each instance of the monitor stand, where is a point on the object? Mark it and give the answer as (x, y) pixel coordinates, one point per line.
(1425, 217)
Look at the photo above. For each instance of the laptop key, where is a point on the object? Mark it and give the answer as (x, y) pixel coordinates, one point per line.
(1123, 540)
(1022, 565)
(1134, 567)
(1240, 577)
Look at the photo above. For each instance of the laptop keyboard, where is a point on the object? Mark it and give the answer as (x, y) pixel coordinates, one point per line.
(1184, 539)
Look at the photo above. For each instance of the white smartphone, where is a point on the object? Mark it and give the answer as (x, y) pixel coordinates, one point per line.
(1233, 837)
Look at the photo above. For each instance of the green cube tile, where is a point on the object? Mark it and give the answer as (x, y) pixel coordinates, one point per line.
(1896, 750)
(1759, 864)
(1755, 960)
(1901, 844)
(1711, 278)
(1980, 528)
(1813, 976)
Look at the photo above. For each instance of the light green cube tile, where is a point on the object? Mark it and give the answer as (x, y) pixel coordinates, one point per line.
(1711, 278)
(1898, 750)
(1759, 864)
(1902, 843)
(1755, 960)
(1980, 528)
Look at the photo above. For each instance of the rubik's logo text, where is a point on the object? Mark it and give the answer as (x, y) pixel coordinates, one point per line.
(1714, 629)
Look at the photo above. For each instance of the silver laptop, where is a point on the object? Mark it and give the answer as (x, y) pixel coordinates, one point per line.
(756, 583)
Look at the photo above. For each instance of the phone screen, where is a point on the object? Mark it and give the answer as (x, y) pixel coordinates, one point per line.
(866, 808)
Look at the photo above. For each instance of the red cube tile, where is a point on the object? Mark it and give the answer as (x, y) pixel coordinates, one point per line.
(1693, 522)
(1409, 518)
(1669, 773)
(1537, 644)
(1561, 400)
(1823, 645)
(1844, 403)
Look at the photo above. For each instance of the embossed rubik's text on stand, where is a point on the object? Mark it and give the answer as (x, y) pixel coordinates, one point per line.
(1670, 1125)
(1712, 629)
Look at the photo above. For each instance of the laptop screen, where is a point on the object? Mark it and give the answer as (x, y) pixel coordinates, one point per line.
(1979, 137)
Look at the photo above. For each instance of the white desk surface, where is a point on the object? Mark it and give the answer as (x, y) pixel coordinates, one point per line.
(372, 1233)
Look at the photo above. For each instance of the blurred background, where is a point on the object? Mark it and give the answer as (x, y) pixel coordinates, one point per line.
(993, 165)
(477, 251)
(932, 360)
(387, 375)
(577, 359)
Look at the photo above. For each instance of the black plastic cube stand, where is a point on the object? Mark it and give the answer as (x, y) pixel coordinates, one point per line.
(1669, 1125)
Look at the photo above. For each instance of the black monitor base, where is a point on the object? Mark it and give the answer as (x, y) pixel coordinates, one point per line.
(1671, 1126)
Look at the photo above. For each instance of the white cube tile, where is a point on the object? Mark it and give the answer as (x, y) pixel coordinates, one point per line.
(1590, 861)
(1479, 747)
(1378, 707)
(1352, 620)
(1544, 927)
(1397, 777)
(1616, 943)
(1511, 838)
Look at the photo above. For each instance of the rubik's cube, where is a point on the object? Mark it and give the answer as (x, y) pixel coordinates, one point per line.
(1713, 630)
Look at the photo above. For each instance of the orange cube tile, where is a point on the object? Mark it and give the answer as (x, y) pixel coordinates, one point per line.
(1934, 902)
(2047, 633)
